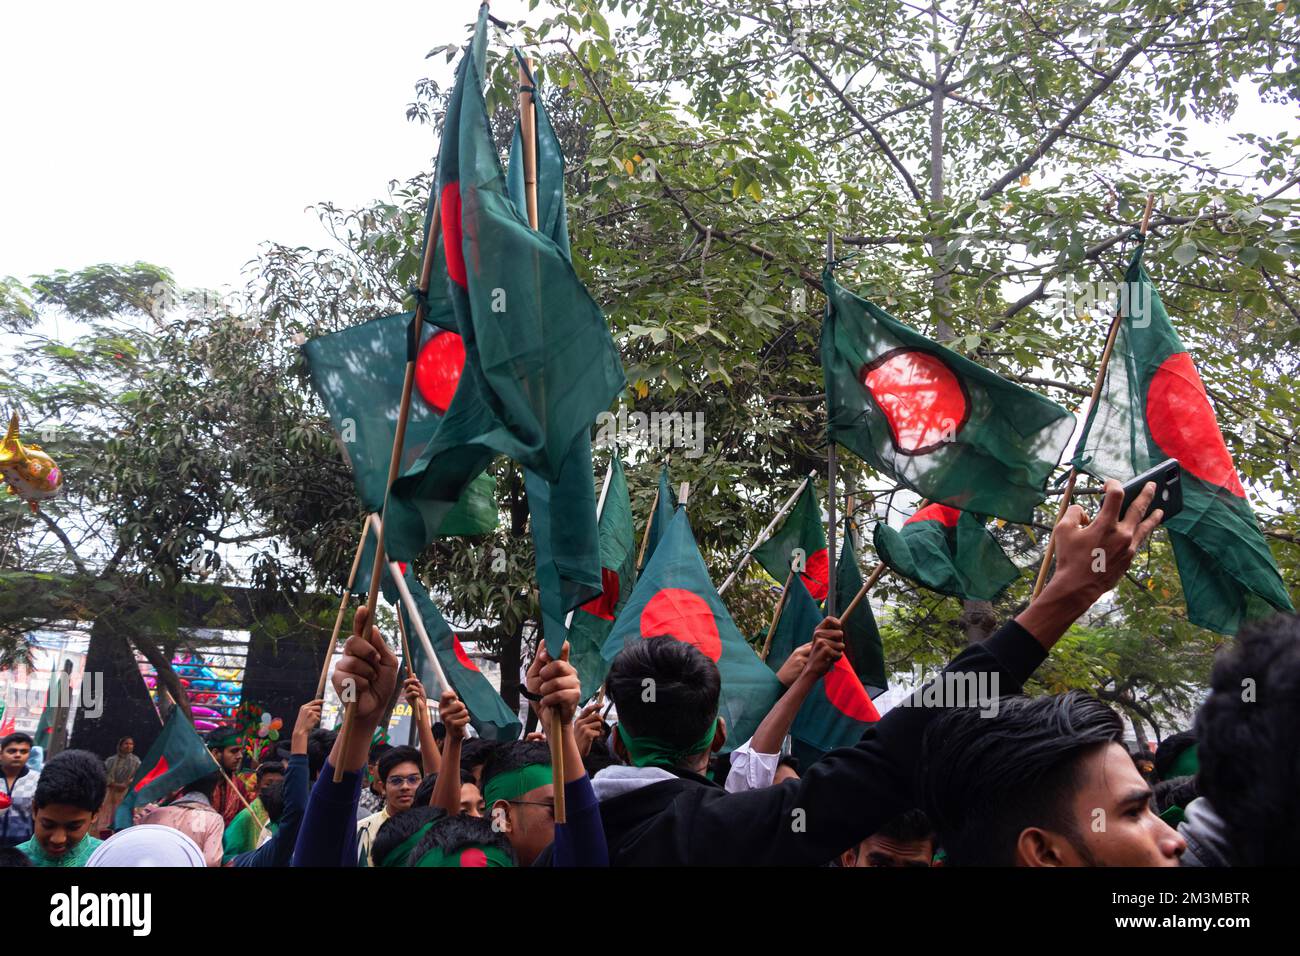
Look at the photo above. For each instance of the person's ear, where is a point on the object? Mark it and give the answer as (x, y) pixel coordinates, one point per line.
(620, 751)
(1038, 847)
(499, 814)
(720, 736)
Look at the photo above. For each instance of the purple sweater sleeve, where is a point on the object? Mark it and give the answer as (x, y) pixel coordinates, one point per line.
(328, 835)
(581, 840)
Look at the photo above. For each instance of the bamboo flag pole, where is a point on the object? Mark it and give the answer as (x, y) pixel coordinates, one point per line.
(395, 459)
(1111, 335)
(830, 461)
(528, 138)
(649, 522)
(862, 592)
(748, 556)
(776, 616)
(343, 606)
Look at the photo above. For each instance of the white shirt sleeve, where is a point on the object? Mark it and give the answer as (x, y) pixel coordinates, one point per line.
(751, 770)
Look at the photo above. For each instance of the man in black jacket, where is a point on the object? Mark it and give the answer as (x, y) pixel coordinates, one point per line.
(663, 811)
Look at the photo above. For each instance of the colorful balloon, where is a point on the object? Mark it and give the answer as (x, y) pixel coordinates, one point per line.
(30, 473)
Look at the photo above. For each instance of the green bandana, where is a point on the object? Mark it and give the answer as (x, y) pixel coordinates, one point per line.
(515, 783)
(1187, 764)
(398, 854)
(222, 738)
(468, 856)
(652, 752)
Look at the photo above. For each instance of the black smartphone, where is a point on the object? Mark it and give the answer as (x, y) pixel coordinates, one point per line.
(1169, 489)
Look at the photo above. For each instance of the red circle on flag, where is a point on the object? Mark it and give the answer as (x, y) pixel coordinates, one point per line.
(676, 612)
(438, 368)
(452, 233)
(460, 654)
(845, 691)
(922, 399)
(1183, 425)
(473, 857)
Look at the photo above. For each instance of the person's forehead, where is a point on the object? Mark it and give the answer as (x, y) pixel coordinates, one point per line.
(883, 844)
(1106, 776)
(404, 769)
(63, 813)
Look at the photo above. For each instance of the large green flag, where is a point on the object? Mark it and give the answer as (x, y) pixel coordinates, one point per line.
(675, 598)
(862, 642)
(594, 620)
(949, 429)
(661, 516)
(178, 757)
(358, 374)
(487, 711)
(948, 551)
(802, 534)
(1153, 406)
(539, 360)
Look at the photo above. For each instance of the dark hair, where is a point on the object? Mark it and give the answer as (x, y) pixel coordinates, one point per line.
(598, 758)
(474, 751)
(12, 856)
(319, 744)
(453, 834)
(269, 766)
(424, 792)
(1174, 792)
(72, 777)
(788, 760)
(1170, 749)
(205, 785)
(910, 826)
(686, 690)
(439, 731)
(983, 780)
(1249, 752)
(377, 750)
(122, 740)
(396, 829)
(17, 738)
(512, 756)
(216, 733)
(272, 797)
(397, 755)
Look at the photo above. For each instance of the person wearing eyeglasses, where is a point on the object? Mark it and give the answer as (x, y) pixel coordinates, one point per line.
(400, 773)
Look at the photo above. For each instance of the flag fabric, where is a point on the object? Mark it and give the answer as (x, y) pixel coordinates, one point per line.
(863, 645)
(594, 620)
(358, 374)
(178, 757)
(949, 429)
(838, 709)
(661, 516)
(53, 714)
(540, 363)
(1153, 406)
(948, 551)
(674, 597)
(801, 533)
(488, 712)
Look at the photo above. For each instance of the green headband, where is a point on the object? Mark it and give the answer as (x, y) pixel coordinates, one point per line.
(466, 856)
(653, 752)
(515, 783)
(1187, 764)
(398, 854)
(225, 739)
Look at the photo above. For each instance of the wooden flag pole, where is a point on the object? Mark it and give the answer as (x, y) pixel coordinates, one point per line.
(649, 521)
(1066, 496)
(830, 462)
(528, 137)
(343, 606)
(776, 616)
(862, 592)
(413, 613)
(395, 459)
(683, 493)
(748, 556)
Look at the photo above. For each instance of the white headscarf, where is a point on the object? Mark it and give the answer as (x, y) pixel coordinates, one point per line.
(147, 844)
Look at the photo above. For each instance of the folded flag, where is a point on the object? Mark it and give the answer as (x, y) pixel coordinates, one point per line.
(661, 516)
(949, 429)
(1153, 406)
(178, 757)
(674, 597)
(948, 551)
(801, 535)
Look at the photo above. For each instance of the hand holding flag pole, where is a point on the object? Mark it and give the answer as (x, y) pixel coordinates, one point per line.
(1068, 494)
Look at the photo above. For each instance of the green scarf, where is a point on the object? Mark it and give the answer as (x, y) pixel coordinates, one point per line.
(653, 752)
(466, 857)
(398, 854)
(515, 783)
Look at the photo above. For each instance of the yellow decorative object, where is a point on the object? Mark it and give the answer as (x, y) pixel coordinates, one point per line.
(30, 473)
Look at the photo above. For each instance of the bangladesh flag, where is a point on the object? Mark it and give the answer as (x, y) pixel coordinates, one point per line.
(949, 429)
(674, 597)
(178, 757)
(662, 515)
(594, 620)
(864, 648)
(838, 709)
(1152, 407)
(801, 534)
(539, 360)
(358, 374)
(948, 551)
(487, 711)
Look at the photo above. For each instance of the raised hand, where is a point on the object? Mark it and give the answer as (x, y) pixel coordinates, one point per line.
(367, 673)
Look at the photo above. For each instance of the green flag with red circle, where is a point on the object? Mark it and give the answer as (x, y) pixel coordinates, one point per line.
(948, 551)
(178, 757)
(947, 428)
(799, 542)
(674, 597)
(1153, 406)
(862, 641)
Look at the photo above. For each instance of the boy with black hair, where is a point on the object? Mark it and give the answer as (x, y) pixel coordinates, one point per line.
(519, 795)
(319, 744)
(227, 749)
(1176, 756)
(1045, 781)
(907, 840)
(662, 810)
(400, 775)
(474, 752)
(19, 786)
(1249, 753)
(193, 814)
(68, 795)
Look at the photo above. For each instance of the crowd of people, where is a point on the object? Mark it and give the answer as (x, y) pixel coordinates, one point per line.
(1034, 781)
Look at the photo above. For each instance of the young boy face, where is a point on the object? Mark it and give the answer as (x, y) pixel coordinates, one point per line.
(471, 800)
(229, 757)
(15, 756)
(399, 789)
(60, 827)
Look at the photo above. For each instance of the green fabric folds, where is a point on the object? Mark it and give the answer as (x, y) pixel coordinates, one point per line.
(948, 551)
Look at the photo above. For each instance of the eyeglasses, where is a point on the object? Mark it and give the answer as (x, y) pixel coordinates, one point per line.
(413, 780)
(550, 807)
